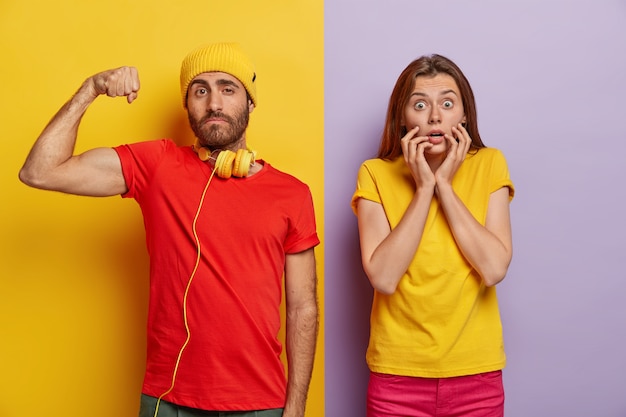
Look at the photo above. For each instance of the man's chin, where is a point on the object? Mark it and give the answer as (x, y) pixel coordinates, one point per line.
(216, 142)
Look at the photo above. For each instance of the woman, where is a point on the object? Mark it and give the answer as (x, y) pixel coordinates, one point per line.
(435, 235)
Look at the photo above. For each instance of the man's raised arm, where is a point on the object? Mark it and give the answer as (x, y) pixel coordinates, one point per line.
(51, 163)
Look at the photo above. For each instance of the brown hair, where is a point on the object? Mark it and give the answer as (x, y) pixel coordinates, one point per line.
(427, 65)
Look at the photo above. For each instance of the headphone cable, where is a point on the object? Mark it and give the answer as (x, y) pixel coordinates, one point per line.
(193, 273)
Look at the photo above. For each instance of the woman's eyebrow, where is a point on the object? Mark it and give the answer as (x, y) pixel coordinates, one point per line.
(448, 92)
(442, 93)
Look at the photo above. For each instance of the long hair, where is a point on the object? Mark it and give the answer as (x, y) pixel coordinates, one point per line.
(427, 65)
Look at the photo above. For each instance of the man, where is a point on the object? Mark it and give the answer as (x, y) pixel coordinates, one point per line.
(221, 229)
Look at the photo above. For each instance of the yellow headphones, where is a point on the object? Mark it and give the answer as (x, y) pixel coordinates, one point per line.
(227, 163)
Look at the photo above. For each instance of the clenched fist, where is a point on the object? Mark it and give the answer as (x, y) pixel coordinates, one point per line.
(118, 82)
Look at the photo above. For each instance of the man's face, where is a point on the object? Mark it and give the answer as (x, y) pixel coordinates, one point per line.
(218, 109)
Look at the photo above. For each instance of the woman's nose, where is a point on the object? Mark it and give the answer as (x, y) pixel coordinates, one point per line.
(435, 116)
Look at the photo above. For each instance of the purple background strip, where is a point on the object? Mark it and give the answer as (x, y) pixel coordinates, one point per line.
(549, 78)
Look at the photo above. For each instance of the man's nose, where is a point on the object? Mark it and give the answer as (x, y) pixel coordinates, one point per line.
(215, 102)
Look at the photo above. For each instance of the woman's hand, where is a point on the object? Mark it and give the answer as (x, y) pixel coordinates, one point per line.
(413, 150)
(458, 146)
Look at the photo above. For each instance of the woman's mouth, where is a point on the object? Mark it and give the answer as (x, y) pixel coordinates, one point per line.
(435, 138)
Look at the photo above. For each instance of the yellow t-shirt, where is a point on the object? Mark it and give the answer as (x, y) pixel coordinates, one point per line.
(442, 321)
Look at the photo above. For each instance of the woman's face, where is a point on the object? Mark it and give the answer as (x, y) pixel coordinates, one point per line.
(435, 105)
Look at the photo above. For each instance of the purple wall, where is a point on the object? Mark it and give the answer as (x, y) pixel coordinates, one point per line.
(549, 79)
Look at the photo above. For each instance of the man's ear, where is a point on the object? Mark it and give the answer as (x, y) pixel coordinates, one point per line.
(250, 106)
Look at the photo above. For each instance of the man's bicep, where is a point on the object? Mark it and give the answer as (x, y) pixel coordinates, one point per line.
(97, 172)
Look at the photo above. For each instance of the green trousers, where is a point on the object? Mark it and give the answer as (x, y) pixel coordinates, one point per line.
(166, 409)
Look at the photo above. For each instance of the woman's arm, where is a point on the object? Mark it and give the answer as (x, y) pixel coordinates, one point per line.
(488, 248)
(386, 254)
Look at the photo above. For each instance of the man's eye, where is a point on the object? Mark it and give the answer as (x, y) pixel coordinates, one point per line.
(448, 104)
(420, 105)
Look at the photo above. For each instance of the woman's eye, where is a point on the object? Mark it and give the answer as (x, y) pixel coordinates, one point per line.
(420, 105)
(448, 104)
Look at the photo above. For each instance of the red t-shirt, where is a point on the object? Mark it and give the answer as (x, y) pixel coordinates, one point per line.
(245, 227)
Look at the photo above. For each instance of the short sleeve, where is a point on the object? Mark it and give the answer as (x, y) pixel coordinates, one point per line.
(139, 161)
(501, 175)
(302, 234)
(365, 187)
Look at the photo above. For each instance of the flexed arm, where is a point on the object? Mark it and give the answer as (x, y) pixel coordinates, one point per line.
(51, 163)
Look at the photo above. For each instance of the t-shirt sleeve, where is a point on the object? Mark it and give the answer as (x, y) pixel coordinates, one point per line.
(302, 233)
(500, 174)
(139, 161)
(365, 187)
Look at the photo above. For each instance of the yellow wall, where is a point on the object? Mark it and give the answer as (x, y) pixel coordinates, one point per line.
(73, 270)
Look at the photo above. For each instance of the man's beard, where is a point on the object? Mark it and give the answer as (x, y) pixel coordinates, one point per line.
(220, 136)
